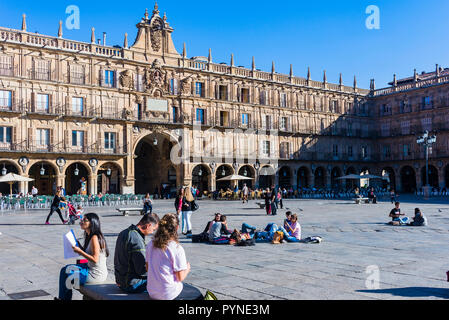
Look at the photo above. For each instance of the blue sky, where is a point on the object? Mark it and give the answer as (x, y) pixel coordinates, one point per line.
(325, 35)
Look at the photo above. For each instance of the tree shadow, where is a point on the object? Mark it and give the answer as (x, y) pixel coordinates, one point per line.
(413, 292)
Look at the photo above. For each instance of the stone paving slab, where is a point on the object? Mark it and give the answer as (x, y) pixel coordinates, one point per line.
(412, 261)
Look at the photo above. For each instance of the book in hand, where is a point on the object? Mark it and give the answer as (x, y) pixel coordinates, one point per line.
(70, 242)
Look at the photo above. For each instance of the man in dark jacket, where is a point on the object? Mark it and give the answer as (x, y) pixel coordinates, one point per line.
(129, 259)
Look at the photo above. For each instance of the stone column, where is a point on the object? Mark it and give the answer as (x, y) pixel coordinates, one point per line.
(311, 180)
(213, 184)
(92, 184)
(328, 180)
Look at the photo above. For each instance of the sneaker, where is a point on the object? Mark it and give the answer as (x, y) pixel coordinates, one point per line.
(284, 241)
(47, 223)
(65, 222)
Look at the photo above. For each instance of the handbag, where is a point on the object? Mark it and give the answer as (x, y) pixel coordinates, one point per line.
(195, 206)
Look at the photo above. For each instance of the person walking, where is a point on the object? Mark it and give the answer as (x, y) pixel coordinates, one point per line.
(55, 207)
(274, 202)
(147, 204)
(245, 193)
(267, 197)
(178, 205)
(187, 204)
(34, 191)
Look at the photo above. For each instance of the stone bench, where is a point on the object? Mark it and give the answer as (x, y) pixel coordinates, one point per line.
(126, 211)
(109, 291)
(361, 200)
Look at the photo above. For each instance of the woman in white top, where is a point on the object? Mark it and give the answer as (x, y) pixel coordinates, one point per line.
(167, 265)
(95, 250)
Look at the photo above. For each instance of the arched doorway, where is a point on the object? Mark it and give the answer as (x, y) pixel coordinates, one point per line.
(44, 176)
(5, 188)
(152, 164)
(108, 179)
(266, 177)
(303, 177)
(389, 181)
(433, 176)
(446, 176)
(76, 179)
(335, 174)
(285, 177)
(408, 179)
(249, 172)
(320, 178)
(222, 172)
(201, 177)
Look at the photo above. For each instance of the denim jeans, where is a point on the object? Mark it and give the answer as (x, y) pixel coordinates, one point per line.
(287, 236)
(76, 272)
(246, 228)
(186, 221)
(274, 209)
(147, 208)
(402, 221)
(136, 286)
(189, 293)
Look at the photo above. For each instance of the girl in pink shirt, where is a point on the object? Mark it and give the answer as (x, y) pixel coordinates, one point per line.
(167, 265)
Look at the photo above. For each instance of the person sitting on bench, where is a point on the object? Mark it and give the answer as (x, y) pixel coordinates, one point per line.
(219, 233)
(372, 196)
(167, 264)
(129, 258)
(419, 220)
(396, 214)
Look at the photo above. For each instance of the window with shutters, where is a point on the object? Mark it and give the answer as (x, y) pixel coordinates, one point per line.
(108, 78)
(283, 125)
(77, 75)
(42, 103)
(43, 138)
(284, 150)
(5, 137)
(243, 95)
(266, 148)
(263, 98)
(109, 141)
(245, 119)
(200, 116)
(5, 100)
(6, 66)
(222, 92)
(283, 100)
(334, 106)
(78, 139)
(199, 89)
(77, 105)
(109, 109)
(41, 70)
(301, 102)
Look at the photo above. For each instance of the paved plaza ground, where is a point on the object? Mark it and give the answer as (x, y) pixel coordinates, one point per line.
(412, 261)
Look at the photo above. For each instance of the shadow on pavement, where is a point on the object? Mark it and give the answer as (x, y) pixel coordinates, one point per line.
(413, 292)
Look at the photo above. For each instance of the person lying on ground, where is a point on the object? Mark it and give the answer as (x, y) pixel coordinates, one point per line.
(268, 233)
(210, 223)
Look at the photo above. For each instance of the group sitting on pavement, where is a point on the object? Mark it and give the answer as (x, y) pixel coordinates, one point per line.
(400, 219)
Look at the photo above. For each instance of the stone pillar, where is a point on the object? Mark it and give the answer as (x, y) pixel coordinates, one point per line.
(60, 180)
(92, 184)
(328, 180)
(212, 182)
(311, 180)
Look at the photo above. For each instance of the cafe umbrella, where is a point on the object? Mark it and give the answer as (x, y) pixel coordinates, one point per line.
(12, 178)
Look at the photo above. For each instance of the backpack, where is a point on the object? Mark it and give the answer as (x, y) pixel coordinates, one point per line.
(200, 238)
(195, 206)
(247, 243)
(210, 296)
(313, 240)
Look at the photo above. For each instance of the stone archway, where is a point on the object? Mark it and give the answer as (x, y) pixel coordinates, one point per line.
(9, 167)
(152, 164)
(285, 177)
(303, 177)
(266, 177)
(222, 172)
(249, 172)
(320, 178)
(433, 176)
(201, 178)
(44, 175)
(76, 179)
(408, 179)
(109, 178)
(389, 173)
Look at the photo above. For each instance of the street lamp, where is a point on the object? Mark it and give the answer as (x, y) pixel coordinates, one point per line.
(4, 171)
(427, 141)
(42, 170)
(200, 173)
(77, 171)
(109, 172)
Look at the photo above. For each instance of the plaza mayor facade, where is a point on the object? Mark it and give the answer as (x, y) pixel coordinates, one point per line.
(131, 119)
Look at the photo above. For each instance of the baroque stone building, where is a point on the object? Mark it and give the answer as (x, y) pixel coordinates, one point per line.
(137, 118)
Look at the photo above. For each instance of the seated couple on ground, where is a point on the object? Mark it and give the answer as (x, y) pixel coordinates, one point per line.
(158, 268)
(220, 234)
(399, 219)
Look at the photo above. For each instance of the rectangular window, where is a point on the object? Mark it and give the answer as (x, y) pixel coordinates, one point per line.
(263, 98)
(283, 124)
(42, 101)
(109, 140)
(405, 127)
(174, 86)
(335, 150)
(364, 153)
(387, 151)
(334, 106)
(6, 68)
(199, 89)
(283, 102)
(350, 152)
(266, 148)
(406, 150)
(223, 92)
(109, 78)
(175, 114)
(77, 74)
(427, 102)
(224, 118)
(43, 137)
(139, 83)
(41, 70)
(268, 122)
(350, 132)
(77, 105)
(77, 138)
(244, 95)
(200, 116)
(245, 119)
(5, 100)
(5, 134)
